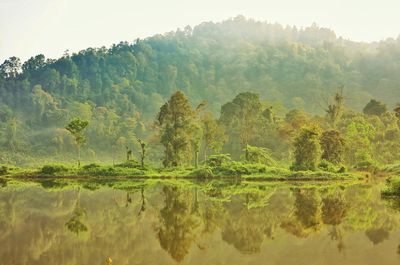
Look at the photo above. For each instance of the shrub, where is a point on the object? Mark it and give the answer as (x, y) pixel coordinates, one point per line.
(307, 150)
(53, 169)
(91, 166)
(258, 155)
(330, 167)
(218, 160)
(130, 164)
(202, 173)
(366, 165)
(3, 170)
(238, 169)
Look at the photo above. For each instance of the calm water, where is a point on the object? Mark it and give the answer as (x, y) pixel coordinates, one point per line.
(204, 223)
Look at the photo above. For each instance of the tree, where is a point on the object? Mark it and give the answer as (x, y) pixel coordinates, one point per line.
(241, 117)
(34, 64)
(258, 155)
(176, 120)
(335, 110)
(11, 134)
(397, 111)
(333, 146)
(77, 127)
(375, 107)
(10, 67)
(143, 151)
(359, 134)
(178, 222)
(213, 134)
(307, 150)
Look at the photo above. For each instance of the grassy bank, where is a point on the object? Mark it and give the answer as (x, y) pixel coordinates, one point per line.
(232, 170)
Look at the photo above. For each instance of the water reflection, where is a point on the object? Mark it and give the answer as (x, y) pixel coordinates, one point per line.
(196, 223)
(178, 221)
(75, 224)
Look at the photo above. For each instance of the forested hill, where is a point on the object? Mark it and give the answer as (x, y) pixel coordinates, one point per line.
(127, 83)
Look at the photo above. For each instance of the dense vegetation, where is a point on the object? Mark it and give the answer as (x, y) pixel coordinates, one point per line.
(260, 92)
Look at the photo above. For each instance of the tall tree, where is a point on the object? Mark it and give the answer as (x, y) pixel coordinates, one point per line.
(10, 67)
(142, 151)
(241, 117)
(77, 128)
(307, 150)
(176, 120)
(213, 134)
(375, 107)
(335, 110)
(333, 146)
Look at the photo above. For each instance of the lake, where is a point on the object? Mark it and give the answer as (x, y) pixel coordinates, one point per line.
(182, 222)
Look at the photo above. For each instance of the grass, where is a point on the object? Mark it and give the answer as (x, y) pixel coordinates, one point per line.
(224, 170)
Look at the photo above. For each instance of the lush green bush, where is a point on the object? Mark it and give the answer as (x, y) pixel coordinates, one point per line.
(91, 166)
(53, 169)
(218, 160)
(330, 167)
(202, 173)
(238, 169)
(259, 155)
(129, 164)
(3, 170)
(367, 165)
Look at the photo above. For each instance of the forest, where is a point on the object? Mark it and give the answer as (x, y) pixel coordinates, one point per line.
(237, 92)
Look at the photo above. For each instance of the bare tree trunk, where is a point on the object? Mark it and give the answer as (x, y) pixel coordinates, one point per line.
(196, 159)
(79, 156)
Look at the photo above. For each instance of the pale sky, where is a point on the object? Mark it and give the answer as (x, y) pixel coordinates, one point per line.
(31, 27)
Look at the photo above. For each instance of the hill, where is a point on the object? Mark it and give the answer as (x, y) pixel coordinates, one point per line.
(124, 86)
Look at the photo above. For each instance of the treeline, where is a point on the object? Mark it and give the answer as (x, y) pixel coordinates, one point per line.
(253, 132)
(119, 89)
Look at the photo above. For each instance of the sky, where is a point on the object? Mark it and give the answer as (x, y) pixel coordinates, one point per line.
(50, 27)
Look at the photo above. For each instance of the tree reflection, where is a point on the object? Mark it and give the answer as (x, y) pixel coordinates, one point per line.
(248, 222)
(142, 202)
(213, 216)
(178, 220)
(377, 235)
(334, 209)
(245, 233)
(3, 183)
(75, 224)
(306, 217)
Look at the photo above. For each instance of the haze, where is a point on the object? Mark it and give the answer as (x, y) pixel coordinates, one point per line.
(30, 27)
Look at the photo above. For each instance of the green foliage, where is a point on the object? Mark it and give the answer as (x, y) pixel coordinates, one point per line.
(239, 169)
(330, 167)
(258, 155)
(129, 164)
(375, 108)
(333, 146)
(242, 118)
(118, 90)
(3, 170)
(176, 120)
(76, 127)
(359, 134)
(91, 166)
(392, 187)
(202, 173)
(307, 150)
(53, 169)
(218, 160)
